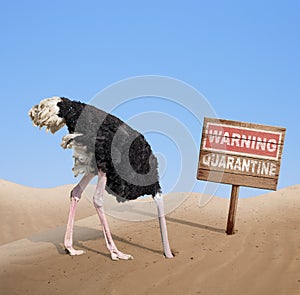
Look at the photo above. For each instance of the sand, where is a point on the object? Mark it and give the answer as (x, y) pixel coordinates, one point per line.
(263, 257)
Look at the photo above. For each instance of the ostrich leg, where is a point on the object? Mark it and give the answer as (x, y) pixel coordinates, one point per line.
(98, 203)
(162, 224)
(75, 197)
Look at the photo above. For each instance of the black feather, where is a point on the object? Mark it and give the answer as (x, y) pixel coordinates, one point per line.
(120, 151)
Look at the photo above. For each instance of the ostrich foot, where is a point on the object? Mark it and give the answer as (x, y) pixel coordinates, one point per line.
(169, 255)
(73, 252)
(117, 255)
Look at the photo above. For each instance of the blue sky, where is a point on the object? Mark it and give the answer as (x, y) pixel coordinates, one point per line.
(243, 56)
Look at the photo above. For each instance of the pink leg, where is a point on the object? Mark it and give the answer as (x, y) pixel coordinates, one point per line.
(162, 224)
(98, 202)
(75, 197)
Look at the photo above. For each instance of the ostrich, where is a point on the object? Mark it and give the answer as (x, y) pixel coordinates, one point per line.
(103, 146)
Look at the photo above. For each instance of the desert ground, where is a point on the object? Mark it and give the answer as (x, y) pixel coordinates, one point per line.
(262, 257)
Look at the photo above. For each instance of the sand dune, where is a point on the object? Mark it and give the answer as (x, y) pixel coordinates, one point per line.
(263, 257)
(25, 211)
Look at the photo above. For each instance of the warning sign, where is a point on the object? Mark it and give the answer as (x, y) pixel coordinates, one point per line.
(240, 153)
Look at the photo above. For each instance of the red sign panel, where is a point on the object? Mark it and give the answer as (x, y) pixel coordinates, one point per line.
(243, 141)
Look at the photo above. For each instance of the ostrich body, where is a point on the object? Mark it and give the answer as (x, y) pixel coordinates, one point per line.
(103, 146)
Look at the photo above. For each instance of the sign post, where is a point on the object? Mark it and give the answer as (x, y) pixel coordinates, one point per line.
(240, 154)
(232, 209)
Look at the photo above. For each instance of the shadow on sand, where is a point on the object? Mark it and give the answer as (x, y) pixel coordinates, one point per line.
(176, 220)
(83, 234)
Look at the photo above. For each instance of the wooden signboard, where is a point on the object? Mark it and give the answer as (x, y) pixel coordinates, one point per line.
(241, 154)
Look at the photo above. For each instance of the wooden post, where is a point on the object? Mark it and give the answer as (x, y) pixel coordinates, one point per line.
(232, 209)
